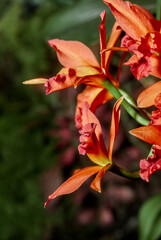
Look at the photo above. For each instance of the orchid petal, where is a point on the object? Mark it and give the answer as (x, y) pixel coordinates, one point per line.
(102, 30)
(147, 97)
(119, 68)
(156, 63)
(128, 14)
(95, 148)
(131, 60)
(96, 183)
(152, 164)
(86, 71)
(142, 68)
(95, 97)
(89, 117)
(64, 79)
(89, 94)
(114, 37)
(95, 80)
(91, 140)
(74, 182)
(35, 81)
(73, 53)
(150, 134)
(146, 12)
(90, 145)
(114, 126)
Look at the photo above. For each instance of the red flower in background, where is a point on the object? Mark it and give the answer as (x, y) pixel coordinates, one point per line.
(142, 37)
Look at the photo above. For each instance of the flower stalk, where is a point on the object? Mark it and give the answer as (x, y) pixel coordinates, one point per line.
(117, 94)
(124, 173)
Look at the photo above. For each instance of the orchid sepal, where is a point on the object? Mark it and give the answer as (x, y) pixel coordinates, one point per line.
(36, 81)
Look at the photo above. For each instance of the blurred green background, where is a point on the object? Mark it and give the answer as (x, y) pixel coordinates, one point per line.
(37, 133)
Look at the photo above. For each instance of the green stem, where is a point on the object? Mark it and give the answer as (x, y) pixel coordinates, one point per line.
(124, 173)
(150, 152)
(115, 92)
(158, 10)
(131, 101)
(128, 98)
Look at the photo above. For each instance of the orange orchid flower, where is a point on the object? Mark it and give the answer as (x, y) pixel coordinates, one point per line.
(92, 144)
(148, 96)
(94, 96)
(152, 96)
(151, 133)
(143, 37)
(81, 66)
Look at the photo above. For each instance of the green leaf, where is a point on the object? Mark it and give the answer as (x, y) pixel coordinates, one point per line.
(156, 231)
(150, 219)
(158, 9)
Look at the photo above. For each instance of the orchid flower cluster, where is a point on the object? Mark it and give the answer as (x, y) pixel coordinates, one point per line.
(142, 40)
